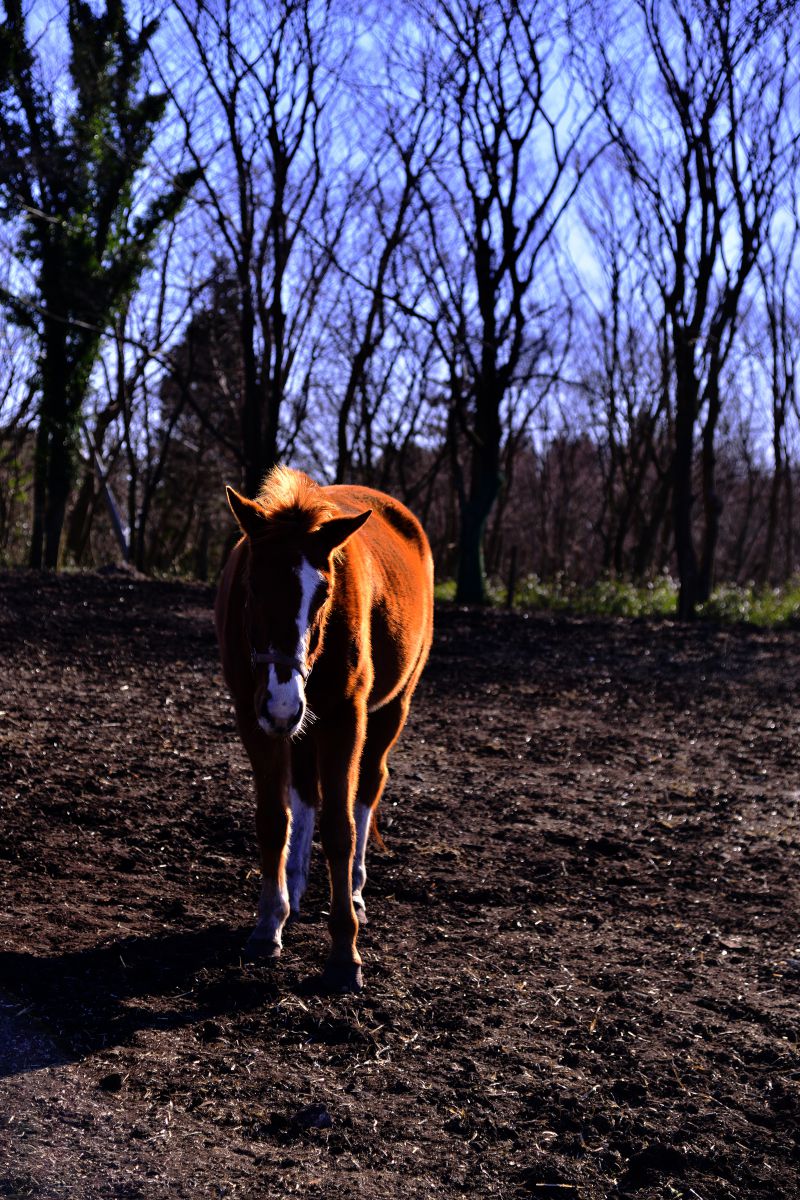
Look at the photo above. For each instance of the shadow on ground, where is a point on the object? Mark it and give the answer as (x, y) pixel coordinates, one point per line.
(64, 1007)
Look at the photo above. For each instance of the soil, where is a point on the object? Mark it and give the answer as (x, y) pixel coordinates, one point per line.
(581, 964)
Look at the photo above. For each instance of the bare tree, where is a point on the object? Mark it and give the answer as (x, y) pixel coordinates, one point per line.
(383, 305)
(514, 153)
(707, 139)
(779, 271)
(259, 82)
(67, 179)
(622, 372)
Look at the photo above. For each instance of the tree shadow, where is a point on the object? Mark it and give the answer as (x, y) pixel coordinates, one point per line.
(63, 1007)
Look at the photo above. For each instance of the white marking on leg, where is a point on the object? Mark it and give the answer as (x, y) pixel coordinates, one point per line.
(299, 849)
(273, 909)
(363, 818)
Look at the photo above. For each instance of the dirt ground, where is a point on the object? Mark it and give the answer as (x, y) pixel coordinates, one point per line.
(582, 964)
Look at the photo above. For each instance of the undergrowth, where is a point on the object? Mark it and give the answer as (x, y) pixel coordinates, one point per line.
(729, 603)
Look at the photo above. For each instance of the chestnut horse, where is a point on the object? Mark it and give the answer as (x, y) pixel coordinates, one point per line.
(324, 618)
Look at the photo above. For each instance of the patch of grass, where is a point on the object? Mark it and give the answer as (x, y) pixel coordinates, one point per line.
(730, 603)
(605, 597)
(766, 607)
(445, 590)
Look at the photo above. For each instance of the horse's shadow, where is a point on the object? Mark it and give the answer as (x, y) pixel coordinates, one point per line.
(64, 1007)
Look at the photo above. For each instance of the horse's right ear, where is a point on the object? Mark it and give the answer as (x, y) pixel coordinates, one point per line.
(334, 533)
(251, 518)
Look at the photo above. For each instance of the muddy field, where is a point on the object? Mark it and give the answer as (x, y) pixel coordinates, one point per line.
(582, 965)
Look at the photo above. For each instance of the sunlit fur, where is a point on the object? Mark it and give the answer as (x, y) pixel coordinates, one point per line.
(369, 633)
(292, 500)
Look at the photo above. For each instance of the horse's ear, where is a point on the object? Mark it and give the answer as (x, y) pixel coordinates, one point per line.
(251, 518)
(335, 533)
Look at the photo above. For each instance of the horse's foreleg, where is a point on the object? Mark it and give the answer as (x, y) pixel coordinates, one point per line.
(299, 849)
(339, 754)
(272, 829)
(304, 798)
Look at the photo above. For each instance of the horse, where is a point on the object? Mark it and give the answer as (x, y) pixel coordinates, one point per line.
(324, 617)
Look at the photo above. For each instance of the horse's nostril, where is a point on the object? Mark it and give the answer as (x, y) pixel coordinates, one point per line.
(282, 723)
(290, 722)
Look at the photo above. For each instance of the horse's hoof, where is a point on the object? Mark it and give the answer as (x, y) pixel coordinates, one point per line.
(342, 977)
(361, 914)
(261, 950)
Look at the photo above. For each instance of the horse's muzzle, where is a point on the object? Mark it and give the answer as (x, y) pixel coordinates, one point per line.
(281, 726)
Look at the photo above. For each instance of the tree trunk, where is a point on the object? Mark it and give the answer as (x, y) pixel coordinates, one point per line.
(476, 505)
(252, 406)
(776, 485)
(473, 517)
(645, 551)
(471, 582)
(59, 482)
(139, 543)
(712, 502)
(683, 501)
(788, 569)
(201, 551)
(36, 557)
(80, 523)
(343, 454)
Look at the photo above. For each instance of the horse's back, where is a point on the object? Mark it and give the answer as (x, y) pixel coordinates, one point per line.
(353, 498)
(393, 537)
(392, 562)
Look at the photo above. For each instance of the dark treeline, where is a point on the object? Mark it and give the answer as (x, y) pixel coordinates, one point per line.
(534, 268)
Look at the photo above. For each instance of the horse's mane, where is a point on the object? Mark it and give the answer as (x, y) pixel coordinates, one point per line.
(293, 502)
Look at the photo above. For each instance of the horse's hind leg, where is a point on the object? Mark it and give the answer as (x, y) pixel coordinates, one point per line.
(340, 744)
(383, 729)
(303, 799)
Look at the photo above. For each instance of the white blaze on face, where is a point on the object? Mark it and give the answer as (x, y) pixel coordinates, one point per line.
(287, 700)
(310, 580)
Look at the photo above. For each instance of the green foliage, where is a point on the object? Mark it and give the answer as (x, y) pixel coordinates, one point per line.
(72, 182)
(766, 607)
(730, 603)
(69, 184)
(15, 483)
(607, 597)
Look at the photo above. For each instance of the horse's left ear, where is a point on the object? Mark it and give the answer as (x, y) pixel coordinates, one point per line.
(251, 518)
(335, 533)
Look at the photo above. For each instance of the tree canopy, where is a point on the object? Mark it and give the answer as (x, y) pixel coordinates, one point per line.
(70, 162)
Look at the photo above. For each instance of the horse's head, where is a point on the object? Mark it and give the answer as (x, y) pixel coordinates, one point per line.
(289, 589)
